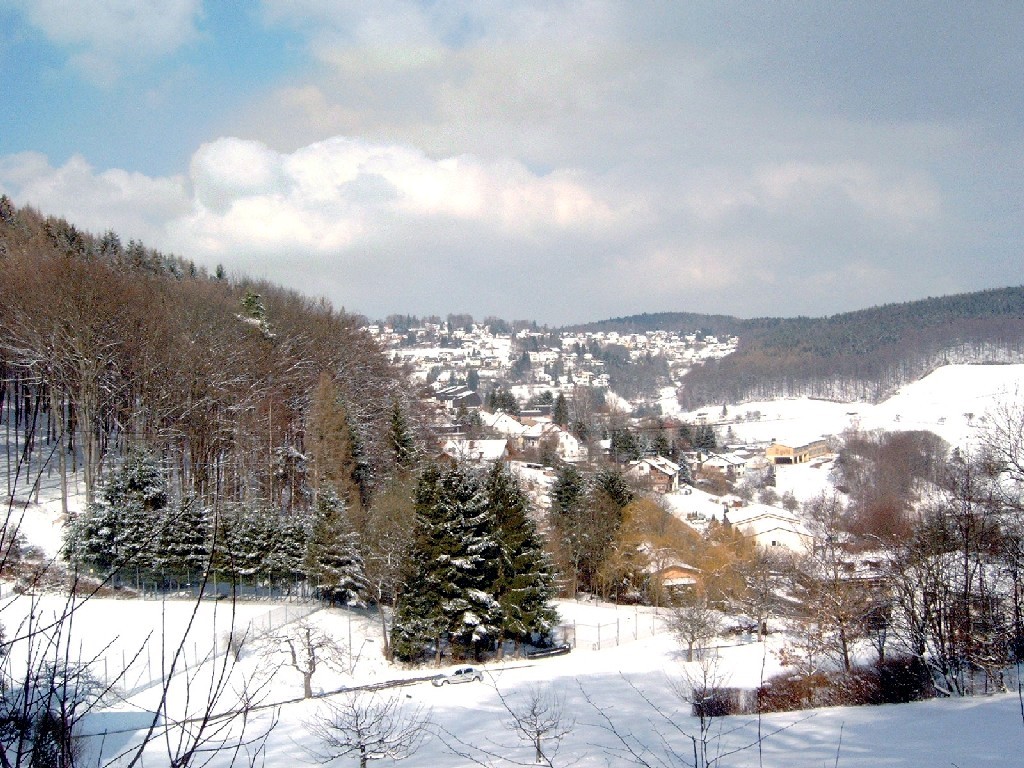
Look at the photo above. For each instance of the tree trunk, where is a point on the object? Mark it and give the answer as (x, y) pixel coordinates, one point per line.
(57, 413)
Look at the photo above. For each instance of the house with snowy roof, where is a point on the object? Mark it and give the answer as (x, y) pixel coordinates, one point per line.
(503, 423)
(566, 445)
(732, 465)
(475, 451)
(771, 527)
(656, 472)
(458, 396)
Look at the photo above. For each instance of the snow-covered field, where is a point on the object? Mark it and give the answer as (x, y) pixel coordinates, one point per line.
(630, 686)
(633, 685)
(951, 402)
(622, 673)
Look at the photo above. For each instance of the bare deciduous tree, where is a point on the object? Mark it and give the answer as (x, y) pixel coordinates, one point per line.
(306, 648)
(694, 622)
(536, 716)
(370, 725)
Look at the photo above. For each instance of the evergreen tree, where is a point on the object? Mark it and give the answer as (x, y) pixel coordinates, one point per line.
(120, 531)
(704, 439)
(625, 446)
(586, 517)
(285, 559)
(453, 567)
(660, 445)
(567, 492)
(332, 560)
(503, 400)
(184, 541)
(524, 585)
(401, 438)
(252, 305)
(560, 414)
(249, 538)
(613, 483)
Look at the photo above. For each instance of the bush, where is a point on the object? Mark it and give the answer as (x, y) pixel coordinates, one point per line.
(903, 679)
(786, 692)
(719, 702)
(895, 681)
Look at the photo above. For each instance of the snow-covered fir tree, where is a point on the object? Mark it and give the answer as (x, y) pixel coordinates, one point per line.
(448, 594)
(524, 585)
(402, 443)
(120, 531)
(184, 541)
(332, 561)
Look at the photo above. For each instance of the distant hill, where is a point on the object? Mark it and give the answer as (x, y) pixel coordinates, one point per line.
(687, 322)
(861, 355)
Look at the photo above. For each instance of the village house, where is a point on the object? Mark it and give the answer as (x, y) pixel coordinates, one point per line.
(656, 472)
(564, 443)
(732, 465)
(476, 451)
(771, 527)
(459, 396)
(676, 577)
(796, 452)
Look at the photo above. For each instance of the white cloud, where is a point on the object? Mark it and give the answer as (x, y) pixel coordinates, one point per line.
(384, 227)
(106, 35)
(325, 195)
(131, 204)
(906, 198)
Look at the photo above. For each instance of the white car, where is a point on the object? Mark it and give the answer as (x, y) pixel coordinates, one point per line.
(460, 675)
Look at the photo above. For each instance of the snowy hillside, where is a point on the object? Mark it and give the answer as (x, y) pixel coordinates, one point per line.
(950, 402)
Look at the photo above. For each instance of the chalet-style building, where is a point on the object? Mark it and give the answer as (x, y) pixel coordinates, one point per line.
(656, 472)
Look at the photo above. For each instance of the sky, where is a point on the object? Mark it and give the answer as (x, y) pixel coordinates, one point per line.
(553, 161)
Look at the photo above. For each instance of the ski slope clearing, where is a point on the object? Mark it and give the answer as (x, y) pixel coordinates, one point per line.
(951, 402)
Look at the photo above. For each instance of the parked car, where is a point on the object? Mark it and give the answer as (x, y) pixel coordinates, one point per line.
(460, 675)
(554, 650)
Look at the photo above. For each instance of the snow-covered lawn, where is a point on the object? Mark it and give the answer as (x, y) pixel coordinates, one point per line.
(633, 685)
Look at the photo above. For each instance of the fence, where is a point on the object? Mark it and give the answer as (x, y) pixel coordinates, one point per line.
(628, 627)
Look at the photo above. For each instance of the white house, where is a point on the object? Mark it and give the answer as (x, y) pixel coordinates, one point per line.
(772, 527)
(658, 472)
(503, 423)
(476, 451)
(566, 445)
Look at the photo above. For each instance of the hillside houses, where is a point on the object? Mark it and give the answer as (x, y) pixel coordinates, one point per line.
(768, 526)
(433, 351)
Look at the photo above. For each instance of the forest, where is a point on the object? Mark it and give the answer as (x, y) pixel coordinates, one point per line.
(104, 346)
